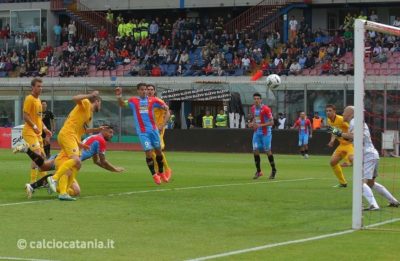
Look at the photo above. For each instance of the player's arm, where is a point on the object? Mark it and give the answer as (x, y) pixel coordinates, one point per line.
(100, 160)
(78, 98)
(29, 121)
(121, 102)
(336, 132)
(52, 123)
(310, 129)
(95, 130)
(296, 125)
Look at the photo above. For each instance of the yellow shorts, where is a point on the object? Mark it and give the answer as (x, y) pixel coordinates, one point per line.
(69, 145)
(344, 150)
(35, 142)
(162, 139)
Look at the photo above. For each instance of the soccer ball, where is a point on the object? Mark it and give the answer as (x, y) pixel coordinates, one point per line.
(273, 81)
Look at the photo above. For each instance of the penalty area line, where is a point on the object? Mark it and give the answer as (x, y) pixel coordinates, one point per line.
(291, 242)
(23, 259)
(166, 189)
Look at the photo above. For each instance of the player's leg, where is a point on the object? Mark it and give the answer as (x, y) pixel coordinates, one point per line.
(42, 172)
(148, 151)
(30, 188)
(156, 144)
(337, 156)
(70, 149)
(257, 147)
(33, 144)
(267, 148)
(305, 145)
(74, 189)
(382, 190)
(46, 146)
(301, 145)
(167, 169)
(368, 183)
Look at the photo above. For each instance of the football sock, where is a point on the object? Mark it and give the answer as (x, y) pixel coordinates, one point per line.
(257, 160)
(306, 151)
(369, 196)
(302, 152)
(339, 173)
(159, 159)
(384, 192)
(71, 180)
(150, 164)
(165, 162)
(40, 182)
(63, 184)
(67, 165)
(33, 175)
(47, 150)
(153, 155)
(38, 159)
(272, 162)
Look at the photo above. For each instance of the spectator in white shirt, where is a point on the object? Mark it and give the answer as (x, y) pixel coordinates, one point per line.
(397, 22)
(373, 17)
(71, 31)
(295, 68)
(246, 63)
(292, 28)
(278, 60)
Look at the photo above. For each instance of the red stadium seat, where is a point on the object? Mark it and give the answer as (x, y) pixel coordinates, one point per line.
(368, 66)
(92, 73)
(120, 72)
(113, 73)
(99, 73)
(376, 66)
(106, 73)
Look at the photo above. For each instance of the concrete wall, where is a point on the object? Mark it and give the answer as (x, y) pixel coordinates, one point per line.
(319, 18)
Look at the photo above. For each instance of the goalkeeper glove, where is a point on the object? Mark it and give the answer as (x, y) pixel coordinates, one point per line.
(335, 131)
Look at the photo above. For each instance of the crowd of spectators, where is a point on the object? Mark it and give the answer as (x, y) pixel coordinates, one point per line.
(191, 47)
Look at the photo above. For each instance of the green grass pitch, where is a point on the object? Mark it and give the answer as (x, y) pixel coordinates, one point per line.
(212, 206)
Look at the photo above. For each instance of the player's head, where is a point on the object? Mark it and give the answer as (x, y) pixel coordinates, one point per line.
(141, 89)
(107, 132)
(316, 114)
(151, 90)
(44, 105)
(330, 110)
(302, 115)
(96, 103)
(257, 98)
(36, 85)
(348, 113)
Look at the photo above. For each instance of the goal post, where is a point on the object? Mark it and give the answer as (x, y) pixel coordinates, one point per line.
(360, 27)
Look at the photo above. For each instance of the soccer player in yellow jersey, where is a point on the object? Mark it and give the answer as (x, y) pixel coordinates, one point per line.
(33, 127)
(161, 116)
(69, 139)
(345, 148)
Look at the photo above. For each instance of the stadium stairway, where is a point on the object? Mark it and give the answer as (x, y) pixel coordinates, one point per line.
(263, 16)
(87, 21)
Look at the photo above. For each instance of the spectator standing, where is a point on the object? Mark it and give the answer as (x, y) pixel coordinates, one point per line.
(397, 21)
(190, 121)
(110, 16)
(373, 17)
(57, 29)
(171, 120)
(281, 121)
(208, 121)
(292, 28)
(317, 122)
(71, 31)
(221, 121)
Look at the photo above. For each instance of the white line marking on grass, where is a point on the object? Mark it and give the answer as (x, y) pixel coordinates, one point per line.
(23, 259)
(163, 190)
(242, 251)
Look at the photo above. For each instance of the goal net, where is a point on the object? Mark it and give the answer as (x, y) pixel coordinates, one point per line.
(376, 103)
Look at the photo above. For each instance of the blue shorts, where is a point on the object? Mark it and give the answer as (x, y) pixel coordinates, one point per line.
(150, 140)
(303, 139)
(262, 142)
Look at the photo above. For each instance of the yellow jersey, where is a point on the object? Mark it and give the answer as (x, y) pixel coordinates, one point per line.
(78, 120)
(341, 124)
(159, 115)
(33, 107)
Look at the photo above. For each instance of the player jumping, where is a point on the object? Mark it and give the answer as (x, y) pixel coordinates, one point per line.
(146, 128)
(160, 117)
(305, 132)
(262, 122)
(345, 148)
(371, 159)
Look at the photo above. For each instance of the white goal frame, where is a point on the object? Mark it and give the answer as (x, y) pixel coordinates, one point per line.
(360, 27)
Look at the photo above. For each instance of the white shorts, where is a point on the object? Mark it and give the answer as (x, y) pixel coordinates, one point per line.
(370, 169)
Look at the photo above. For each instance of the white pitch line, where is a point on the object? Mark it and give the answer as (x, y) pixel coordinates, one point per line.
(23, 259)
(242, 251)
(163, 190)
